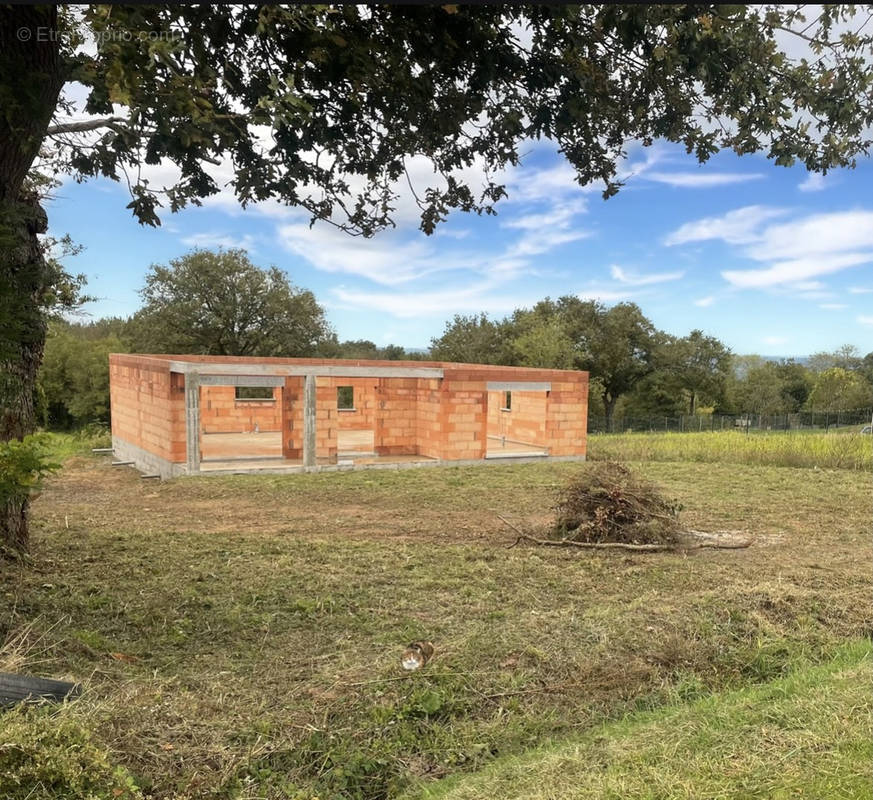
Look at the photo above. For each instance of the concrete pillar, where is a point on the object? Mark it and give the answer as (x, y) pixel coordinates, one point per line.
(309, 421)
(192, 423)
(483, 430)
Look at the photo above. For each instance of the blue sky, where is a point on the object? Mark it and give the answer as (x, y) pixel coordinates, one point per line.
(768, 259)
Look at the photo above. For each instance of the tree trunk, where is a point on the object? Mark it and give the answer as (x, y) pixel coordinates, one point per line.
(31, 74)
(13, 528)
(609, 409)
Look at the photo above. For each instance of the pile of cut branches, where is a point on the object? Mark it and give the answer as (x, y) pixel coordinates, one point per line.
(607, 502)
(607, 506)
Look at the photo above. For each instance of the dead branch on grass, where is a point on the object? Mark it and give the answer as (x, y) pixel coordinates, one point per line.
(650, 548)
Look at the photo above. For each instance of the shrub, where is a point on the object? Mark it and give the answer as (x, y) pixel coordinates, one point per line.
(45, 755)
(23, 466)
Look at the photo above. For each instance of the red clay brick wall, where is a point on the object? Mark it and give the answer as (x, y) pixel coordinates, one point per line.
(567, 417)
(363, 418)
(464, 419)
(524, 422)
(396, 427)
(220, 412)
(147, 408)
(326, 424)
(292, 418)
(428, 418)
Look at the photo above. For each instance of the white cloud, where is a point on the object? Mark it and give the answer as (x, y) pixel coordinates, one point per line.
(860, 290)
(816, 235)
(606, 295)
(793, 253)
(789, 272)
(461, 233)
(643, 280)
(559, 215)
(484, 295)
(402, 256)
(703, 179)
(865, 319)
(420, 303)
(546, 229)
(704, 302)
(832, 306)
(736, 227)
(537, 242)
(532, 185)
(214, 239)
(775, 340)
(389, 258)
(814, 182)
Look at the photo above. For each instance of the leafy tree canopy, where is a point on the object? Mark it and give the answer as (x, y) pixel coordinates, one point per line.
(846, 357)
(366, 350)
(474, 339)
(700, 365)
(321, 106)
(219, 303)
(74, 379)
(837, 389)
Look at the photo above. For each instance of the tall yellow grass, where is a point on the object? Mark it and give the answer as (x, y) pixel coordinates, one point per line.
(782, 449)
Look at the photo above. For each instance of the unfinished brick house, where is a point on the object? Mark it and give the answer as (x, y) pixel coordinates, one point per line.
(175, 415)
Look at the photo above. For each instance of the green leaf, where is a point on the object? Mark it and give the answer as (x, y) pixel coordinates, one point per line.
(430, 702)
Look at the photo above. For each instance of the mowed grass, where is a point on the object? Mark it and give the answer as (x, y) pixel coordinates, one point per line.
(239, 637)
(835, 450)
(808, 735)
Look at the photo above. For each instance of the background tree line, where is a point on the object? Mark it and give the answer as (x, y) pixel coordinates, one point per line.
(220, 303)
(639, 371)
(205, 302)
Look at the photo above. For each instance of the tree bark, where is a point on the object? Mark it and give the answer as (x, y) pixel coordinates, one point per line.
(608, 409)
(31, 77)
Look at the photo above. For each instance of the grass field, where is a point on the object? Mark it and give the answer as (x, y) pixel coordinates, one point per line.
(835, 450)
(805, 735)
(239, 636)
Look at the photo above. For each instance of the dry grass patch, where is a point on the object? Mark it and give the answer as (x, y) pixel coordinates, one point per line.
(832, 450)
(239, 637)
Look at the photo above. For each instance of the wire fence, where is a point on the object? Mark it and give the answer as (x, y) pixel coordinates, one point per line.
(747, 423)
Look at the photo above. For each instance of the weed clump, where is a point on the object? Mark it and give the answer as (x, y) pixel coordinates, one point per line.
(607, 502)
(46, 756)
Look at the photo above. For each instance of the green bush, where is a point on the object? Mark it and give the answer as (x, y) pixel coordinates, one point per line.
(23, 466)
(74, 378)
(45, 755)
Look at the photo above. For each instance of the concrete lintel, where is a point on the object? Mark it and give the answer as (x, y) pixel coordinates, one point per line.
(519, 386)
(241, 380)
(286, 370)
